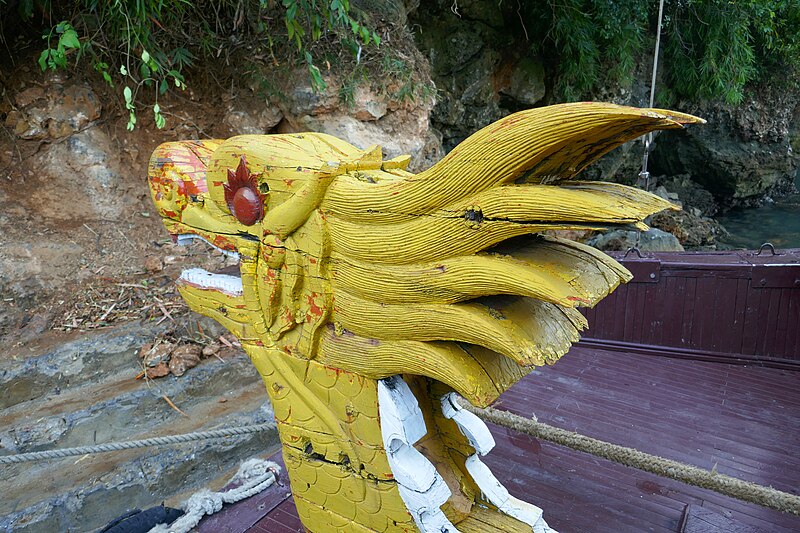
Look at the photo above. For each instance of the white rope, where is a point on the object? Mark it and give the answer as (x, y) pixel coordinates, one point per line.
(127, 445)
(255, 475)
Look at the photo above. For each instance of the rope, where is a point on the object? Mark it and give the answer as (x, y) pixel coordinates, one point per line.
(127, 445)
(648, 139)
(255, 475)
(692, 475)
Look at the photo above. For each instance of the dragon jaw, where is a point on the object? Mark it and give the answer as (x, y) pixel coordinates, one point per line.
(359, 271)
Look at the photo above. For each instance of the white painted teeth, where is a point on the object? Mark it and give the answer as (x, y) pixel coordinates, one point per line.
(203, 279)
(185, 239)
(481, 439)
(421, 487)
(471, 426)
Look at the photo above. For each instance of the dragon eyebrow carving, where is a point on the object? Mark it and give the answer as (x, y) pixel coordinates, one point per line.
(370, 296)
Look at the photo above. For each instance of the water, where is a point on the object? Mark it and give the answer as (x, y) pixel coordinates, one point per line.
(778, 223)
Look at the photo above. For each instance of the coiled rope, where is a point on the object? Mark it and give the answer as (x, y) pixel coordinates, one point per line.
(255, 476)
(127, 445)
(691, 475)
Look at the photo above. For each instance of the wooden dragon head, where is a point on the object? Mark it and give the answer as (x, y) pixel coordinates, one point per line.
(355, 271)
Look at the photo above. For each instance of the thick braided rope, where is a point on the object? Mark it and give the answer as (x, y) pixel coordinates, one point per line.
(127, 445)
(255, 475)
(691, 475)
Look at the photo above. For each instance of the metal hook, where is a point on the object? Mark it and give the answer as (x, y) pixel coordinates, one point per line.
(634, 249)
(767, 245)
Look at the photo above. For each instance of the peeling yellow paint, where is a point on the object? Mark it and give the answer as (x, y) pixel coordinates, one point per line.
(360, 270)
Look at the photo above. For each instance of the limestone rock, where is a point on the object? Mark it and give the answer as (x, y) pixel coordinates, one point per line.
(368, 105)
(88, 170)
(300, 98)
(653, 240)
(398, 134)
(467, 46)
(693, 230)
(526, 86)
(400, 127)
(58, 113)
(743, 154)
(258, 120)
(690, 194)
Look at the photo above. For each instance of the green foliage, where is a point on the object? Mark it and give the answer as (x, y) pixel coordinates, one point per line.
(596, 41)
(65, 39)
(148, 46)
(403, 84)
(715, 47)
(711, 48)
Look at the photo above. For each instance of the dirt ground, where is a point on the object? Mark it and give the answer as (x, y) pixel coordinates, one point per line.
(80, 244)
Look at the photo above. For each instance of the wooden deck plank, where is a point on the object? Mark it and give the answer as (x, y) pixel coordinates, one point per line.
(688, 317)
(745, 419)
(782, 325)
(751, 321)
(793, 332)
(673, 312)
(770, 329)
(736, 332)
(722, 335)
(742, 430)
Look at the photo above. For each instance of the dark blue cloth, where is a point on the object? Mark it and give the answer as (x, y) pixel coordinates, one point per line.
(138, 521)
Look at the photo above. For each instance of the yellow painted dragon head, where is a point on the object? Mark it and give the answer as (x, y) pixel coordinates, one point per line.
(368, 294)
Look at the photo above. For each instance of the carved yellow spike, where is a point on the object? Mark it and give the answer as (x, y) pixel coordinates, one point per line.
(357, 272)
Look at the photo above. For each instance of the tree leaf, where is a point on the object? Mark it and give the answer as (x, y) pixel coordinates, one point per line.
(43, 57)
(128, 94)
(69, 39)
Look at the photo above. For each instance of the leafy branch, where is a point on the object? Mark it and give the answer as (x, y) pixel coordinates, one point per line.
(152, 44)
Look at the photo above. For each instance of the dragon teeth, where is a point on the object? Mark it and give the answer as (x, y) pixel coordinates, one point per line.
(203, 279)
(421, 487)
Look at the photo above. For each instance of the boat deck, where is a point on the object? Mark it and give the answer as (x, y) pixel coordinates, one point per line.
(744, 419)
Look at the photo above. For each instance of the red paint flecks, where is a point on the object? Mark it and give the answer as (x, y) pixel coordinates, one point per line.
(578, 299)
(313, 308)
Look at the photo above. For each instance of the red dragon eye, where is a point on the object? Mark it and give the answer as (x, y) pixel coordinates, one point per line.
(244, 200)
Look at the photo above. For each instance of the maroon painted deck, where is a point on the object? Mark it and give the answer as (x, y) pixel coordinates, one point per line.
(705, 312)
(744, 419)
(730, 305)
